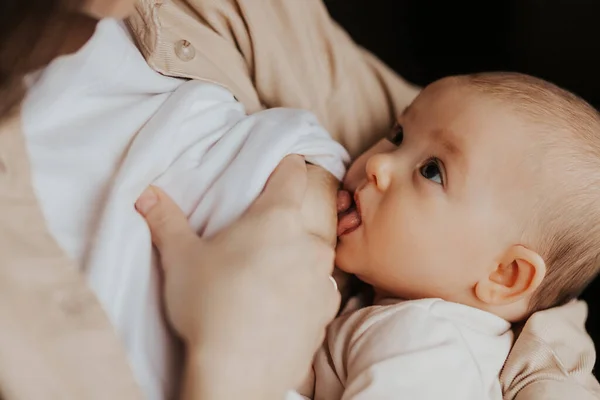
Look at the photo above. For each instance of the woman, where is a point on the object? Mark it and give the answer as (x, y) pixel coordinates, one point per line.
(354, 95)
(59, 336)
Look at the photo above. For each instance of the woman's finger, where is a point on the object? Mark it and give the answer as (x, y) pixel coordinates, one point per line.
(168, 224)
(286, 185)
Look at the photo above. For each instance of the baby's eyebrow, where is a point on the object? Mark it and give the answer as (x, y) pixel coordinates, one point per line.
(451, 142)
(452, 147)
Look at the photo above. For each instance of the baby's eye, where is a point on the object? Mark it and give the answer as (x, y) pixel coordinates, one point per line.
(433, 171)
(396, 135)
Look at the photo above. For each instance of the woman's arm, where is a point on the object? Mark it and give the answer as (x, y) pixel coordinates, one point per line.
(299, 57)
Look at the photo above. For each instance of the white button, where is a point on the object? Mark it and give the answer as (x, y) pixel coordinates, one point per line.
(184, 50)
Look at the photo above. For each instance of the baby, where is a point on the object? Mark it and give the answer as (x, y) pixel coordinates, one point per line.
(480, 208)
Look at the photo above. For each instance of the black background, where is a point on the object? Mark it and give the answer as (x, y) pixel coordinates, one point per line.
(423, 40)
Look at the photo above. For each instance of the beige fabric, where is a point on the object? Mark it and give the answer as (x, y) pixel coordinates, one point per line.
(552, 358)
(55, 341)
(277, 53)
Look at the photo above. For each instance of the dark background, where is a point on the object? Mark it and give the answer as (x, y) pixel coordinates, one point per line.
(423, 40)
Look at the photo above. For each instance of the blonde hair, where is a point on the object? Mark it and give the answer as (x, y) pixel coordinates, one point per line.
(565, 225)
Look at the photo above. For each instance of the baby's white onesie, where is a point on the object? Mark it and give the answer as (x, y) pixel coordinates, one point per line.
(426, 349)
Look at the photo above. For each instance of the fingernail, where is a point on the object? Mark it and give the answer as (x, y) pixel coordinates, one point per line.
(333, 282)
(146, 201)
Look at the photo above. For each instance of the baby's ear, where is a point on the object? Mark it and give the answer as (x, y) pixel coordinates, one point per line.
(519, 273)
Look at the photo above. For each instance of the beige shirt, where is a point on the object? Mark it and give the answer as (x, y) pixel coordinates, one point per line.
(56, 342)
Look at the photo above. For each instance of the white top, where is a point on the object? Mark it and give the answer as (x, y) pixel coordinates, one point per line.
(426, 349)
(101, 126)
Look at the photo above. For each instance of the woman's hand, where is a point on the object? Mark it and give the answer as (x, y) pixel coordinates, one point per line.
(322, 203)
(319, 204)
(252, 302)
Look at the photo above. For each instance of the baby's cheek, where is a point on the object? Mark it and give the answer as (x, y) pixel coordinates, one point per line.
(396, 243)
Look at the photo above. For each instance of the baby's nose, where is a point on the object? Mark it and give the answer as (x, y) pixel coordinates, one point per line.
(379, 170)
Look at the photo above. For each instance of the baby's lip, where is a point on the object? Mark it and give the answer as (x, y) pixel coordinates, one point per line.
(350, 219)
(357, 203)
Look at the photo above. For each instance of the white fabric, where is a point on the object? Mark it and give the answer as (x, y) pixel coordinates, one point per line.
(419, 350)
(101, 126)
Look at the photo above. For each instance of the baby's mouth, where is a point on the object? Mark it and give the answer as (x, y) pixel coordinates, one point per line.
(350, 219)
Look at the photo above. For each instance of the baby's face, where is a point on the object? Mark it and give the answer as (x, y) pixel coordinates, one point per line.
(438, 209)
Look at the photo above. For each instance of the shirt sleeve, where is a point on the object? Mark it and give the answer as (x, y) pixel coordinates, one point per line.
(386, 360)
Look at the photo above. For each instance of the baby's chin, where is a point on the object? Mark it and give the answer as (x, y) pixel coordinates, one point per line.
(360, 270)
(345, 261)
(352, 260)
(350, 254)
(350, 266)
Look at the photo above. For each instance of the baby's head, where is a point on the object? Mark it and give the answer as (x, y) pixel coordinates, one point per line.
(486, 193)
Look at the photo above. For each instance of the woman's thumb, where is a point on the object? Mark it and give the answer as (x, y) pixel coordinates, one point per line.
(168, 224)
